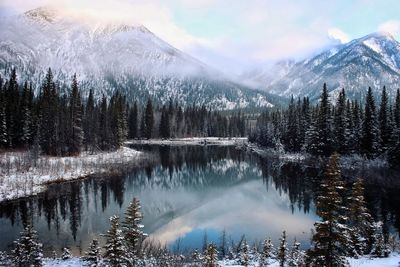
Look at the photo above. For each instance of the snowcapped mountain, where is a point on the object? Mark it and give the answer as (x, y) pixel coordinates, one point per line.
(114, 56)
(373, 60)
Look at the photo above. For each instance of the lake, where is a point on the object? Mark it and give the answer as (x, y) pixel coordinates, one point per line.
(188, 193)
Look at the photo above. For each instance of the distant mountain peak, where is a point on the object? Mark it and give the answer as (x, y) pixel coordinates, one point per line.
(45, 13)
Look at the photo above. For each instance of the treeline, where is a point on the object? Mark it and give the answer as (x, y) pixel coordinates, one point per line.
(59, 124)
(348, 127)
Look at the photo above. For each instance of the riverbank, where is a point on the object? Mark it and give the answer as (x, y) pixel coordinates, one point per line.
(22, 176)
(199, 141)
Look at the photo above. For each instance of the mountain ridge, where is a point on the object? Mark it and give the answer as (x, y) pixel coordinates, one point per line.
(115, 56)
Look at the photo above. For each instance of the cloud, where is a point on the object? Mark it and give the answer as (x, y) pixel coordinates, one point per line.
(338, 34)
(390, 26)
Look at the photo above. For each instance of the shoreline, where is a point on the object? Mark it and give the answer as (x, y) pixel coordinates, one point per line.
(19, 177)
(197, 141)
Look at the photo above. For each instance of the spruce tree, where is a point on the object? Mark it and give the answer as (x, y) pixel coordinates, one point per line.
(342, 133)
(66, 254)
(384, 121)
(148, 120)
(370, 130)
(3, 123)
(324, 125)
(282, 250)
(330, 237)
(28, 249)
(133, 121)
(26, 116)
(267, 253)
(211, 256)
(75, 106)
(396, 109)
(244, 258)
(115, 252)
(296, 256)
(380, 248)
(93, 255)
(90, 124)
(132, 228)
(360, 221)
(164, 128)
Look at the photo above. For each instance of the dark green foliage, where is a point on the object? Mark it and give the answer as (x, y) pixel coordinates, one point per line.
(115, 252)
(28, 249)
(164, 128)
(133, 122)
(93, 255)
(370, 130)
(282, 250)
(384, 121)
(132, 228)
(330, 240)
(148, 120)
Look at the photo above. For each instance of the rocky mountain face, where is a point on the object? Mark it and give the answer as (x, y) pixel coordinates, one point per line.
(373, 60)
(114, 56)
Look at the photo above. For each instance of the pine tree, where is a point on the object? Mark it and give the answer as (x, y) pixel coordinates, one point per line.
(164, 128)
(28, 250)
(76, 138)
(115, 252)
(370, 131)
(292, 131)
(222, 247)
(342, 133)
(132, 228)
(360, 221)
(211, 256)
(90, 125)
(380, 248)
(324, 122)
(133, 121)
(296, 256)
(396, 109)
(148, 120)
(267, 252)
(66, 254)
(384, 121)
(394, 148)
(26, 116)
(93, 255)
(244, 258)
(330, 238)
(3, 123)
(282, 251)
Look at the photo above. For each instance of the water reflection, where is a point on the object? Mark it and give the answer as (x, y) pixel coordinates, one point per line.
(187, 191)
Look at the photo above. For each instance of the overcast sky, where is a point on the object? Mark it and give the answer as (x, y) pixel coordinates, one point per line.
(233, 35)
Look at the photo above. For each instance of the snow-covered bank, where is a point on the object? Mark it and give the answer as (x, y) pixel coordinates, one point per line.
(392, 261)
(20, 177)
(192, 141)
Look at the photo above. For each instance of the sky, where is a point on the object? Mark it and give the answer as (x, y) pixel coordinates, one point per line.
(237, 35)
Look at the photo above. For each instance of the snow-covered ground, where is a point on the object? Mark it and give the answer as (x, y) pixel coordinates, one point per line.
(192, 141)
(392, 261)
(19, 177)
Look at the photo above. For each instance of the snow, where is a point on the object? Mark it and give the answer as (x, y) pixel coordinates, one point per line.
(20, 178)
(193, 141)
(392, 261)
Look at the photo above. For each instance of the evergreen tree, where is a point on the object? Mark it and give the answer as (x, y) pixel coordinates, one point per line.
(26, 116)
(222, 247)
(282, 251)
(90, 125)
(323, 127)
(76, 137)
(342, 133)
(133, 121)
(28, 250)
(393, 152)
(132, 228)
(164, 128)
(66, 254)
(115, 252)
(330, 238)
(292, 131)
(370, 131)
(267, 252)
(384, 121)
(211, 256)
(380, 248)
(396, 109)
(360, 221)
(93, 255)
(244, 258)
(148, 120)
(296, 256)
(3, 123)
(48, 116)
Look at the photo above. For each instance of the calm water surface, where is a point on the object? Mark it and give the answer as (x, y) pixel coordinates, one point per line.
(187, 192)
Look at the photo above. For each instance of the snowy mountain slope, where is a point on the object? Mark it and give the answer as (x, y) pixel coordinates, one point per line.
(373, 60)
(111, 56)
